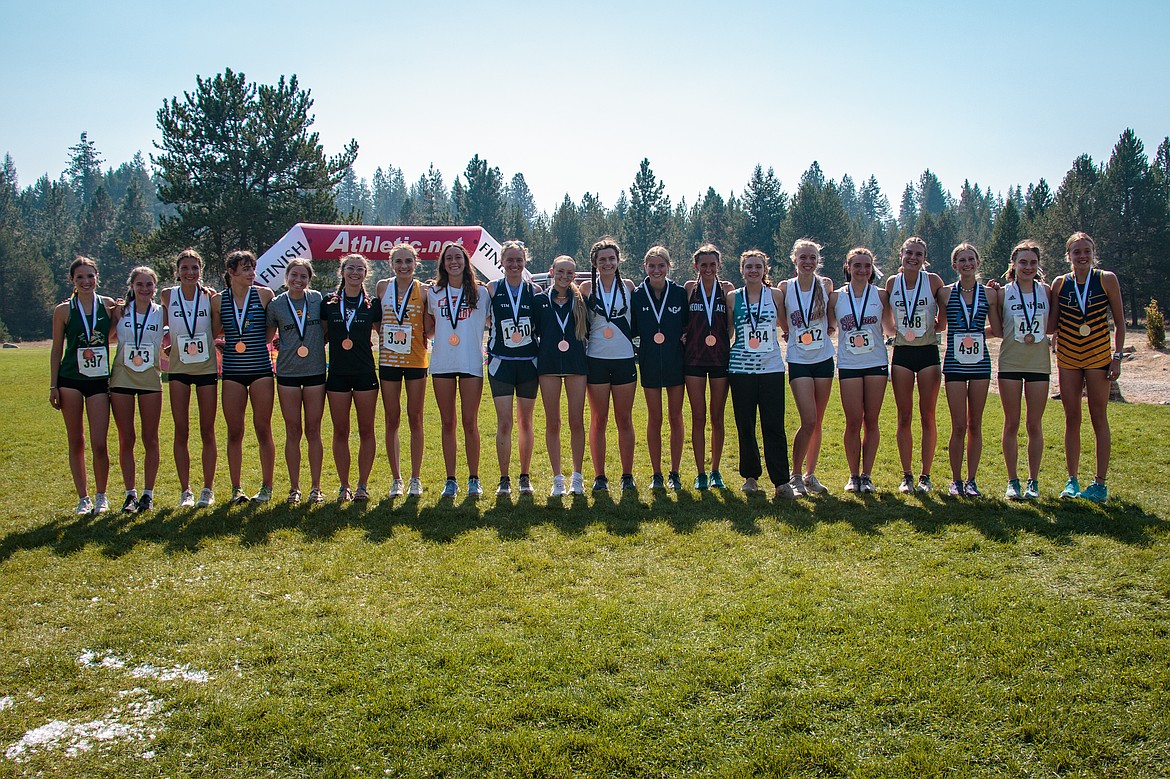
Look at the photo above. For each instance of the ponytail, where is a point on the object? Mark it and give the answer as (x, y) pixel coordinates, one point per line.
(580, 318)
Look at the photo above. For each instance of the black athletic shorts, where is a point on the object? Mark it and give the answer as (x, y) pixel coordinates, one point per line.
(706, 371)
(351, 382)
(810, 370)
(916, 358)
(513, 377)
(388, 373)
(315, 380)
(1025, 376)
(860, 373)
(247, 378)
(87, 387)
(194, 379)
(616, 372)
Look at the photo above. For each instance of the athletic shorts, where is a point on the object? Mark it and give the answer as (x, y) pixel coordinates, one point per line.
(615, 372)
(194, 379)
(389, 373)
(455, 375)
(247, 378)
(966, 377)
(916, 358)
(301, 381)
(513, 377)
(351, 382)
(860, 373)
(662, 379)
(1025, 376)
(810, 370)
(133, 391)
(87, 387)
(706, 371)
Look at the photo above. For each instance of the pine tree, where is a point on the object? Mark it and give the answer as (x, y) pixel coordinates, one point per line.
(566, 232)
(1004, 236)
(646, 222)
(519, 196)
(765, 205)
(931, 197)
(85, 169)
(484, 201)
(908, 211)
(1075, 207)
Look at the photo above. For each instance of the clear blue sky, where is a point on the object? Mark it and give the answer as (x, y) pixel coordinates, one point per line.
(574, 96)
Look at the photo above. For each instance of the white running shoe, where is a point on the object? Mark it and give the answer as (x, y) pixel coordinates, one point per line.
(415, 489)
(867, 486)
(577, 483)
(396, 488)
(797, 485)
(206, 498)
(101, 504)
(558, 488)
(526, 484)
(750, 486)
(84, 507)
(474, 488)
(854, 484)
(813, 484)
(186, 499)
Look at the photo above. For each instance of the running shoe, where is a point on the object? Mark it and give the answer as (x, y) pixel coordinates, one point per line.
(784, 492)
(396, 488)
(1013, 491)
(1072, 488)
(316, 496)
(797, 485)
(750, 486)
(239, 496)
(673, 481)
(264, 495)
(717, 481)
(186, 499)
(450, 489)
(854, 484)
(813, 484)
(361, 494)
(701, 482)
(628, 482)
(146, 502)
(101, 504)
(206, 498)
(415, 488)
(657, 482)
(577, 484)
(957, 490)
(294, 497)
(344, 494)
(600, 484)
(474, 488)
(558, 488)
(131, 504)
(1032, 490)
(867, 487)
(907, 485)
(505, 487)
(526, 484)
(924, 484)
(972, 490)
(1095, 492)
(84, 507)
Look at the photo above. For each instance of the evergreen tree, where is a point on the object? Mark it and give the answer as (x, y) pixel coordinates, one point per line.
(26, 288)
(566, 230)
(484, 201)
(52, 225)
(1075, 207)
(765, 205)
(930, 194)
(1036, 202)
(387, 195)
(1004, 236)
(596, 221)
(816, 213)
(519, 196)
(646, 221)
(908, 211)
(85, 169)
(941, 234)
(97, 225)
(241, 166)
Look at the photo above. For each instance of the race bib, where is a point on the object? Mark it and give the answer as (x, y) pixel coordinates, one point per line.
(396, 337)
(517, 333)
(138, 358)
(859, 342)
(760, 340)
(192, 350)
(912, 325)
(968, 347)
(810, 340)
(1036, 330)
(92, 362)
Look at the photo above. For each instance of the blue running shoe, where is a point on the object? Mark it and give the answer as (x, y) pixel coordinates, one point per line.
(1095, 492)
(1072, 488)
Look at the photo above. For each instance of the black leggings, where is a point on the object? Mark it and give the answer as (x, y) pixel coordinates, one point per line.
(765, 392)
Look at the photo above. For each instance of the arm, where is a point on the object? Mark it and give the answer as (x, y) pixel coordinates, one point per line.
(830, 308)
(1113, 291)
(995, 312)
(1054, 307)
(60, 319)
(266, 296)
(778, 297)
(888, 328)
(942, 296)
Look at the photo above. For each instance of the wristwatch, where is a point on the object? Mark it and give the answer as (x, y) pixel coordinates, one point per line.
(1118, 356)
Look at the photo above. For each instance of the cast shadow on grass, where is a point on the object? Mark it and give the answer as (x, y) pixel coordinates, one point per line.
(619, 513)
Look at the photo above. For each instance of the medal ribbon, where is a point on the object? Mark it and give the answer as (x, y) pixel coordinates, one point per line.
(608, 307)
(709, 305)
(241, 313)
(753, 319)
(805, 316)
(1082, 299)
(400, 308)
(910, 310)
(300, 318)
(348, 318)
(1028, 320)
(858, 320)
(564, 323)
(969, 316)
(139, 333)
(86, 324)
(189, 324)
(658, 312)
(515, 303)
(453, 308)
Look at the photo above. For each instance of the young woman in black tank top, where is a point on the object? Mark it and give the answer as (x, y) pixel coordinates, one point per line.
(708, 348)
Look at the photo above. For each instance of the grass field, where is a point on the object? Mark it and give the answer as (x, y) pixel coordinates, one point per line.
(624, 636)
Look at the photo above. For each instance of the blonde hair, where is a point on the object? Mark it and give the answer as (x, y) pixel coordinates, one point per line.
(658, 251)
(819, 303)
(580, 316)
(1080, 235)
(141, 270)
(1026, 245)
(757, 254)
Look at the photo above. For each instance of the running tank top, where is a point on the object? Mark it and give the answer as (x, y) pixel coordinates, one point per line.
(610, 315)
(140, 339)
(756, 348)
(356, 326)
(192, 341)
(860, 344)
(966, 354)
(914, 311)
(551, 359)
(255, 358)
(1083, 337)
(465, 355)
(698, 351)
(513, 333)
(808, 341)
(403, 342)
(1025, 314)
(87, 351)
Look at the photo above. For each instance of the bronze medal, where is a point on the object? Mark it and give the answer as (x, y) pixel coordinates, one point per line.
(909, 336)
(517, 337)
(453, 339)
(302, 351)
(753, 343)
(968, 342)
(137, 360)
(563, 345)
(711, 340)
(806, 338)
(1085, 329)
(607, 332)
(347, 344)
(241, 347)
(659, 338)
(1029, 339)
(88, 354)
(192, 348)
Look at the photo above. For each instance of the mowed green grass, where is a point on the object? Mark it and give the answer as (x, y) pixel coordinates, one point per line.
(621, 636)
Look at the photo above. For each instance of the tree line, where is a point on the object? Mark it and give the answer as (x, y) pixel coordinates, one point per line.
(238, 164)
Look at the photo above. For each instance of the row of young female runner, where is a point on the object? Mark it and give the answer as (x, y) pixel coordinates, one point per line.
(703, 337)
